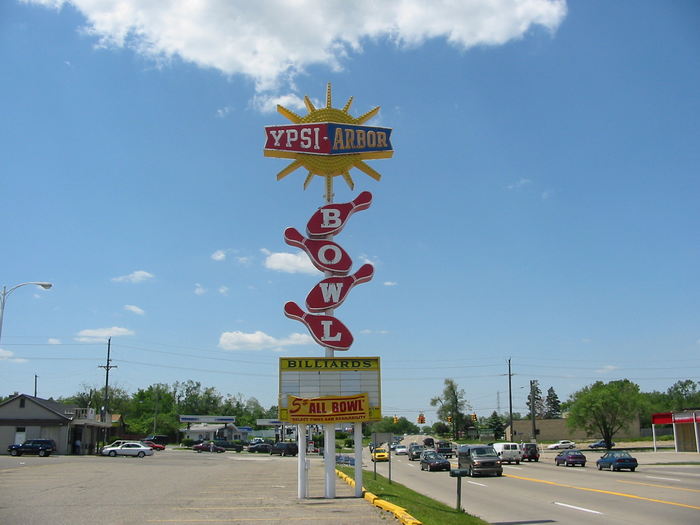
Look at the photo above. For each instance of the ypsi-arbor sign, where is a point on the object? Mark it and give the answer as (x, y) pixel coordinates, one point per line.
(327, 390)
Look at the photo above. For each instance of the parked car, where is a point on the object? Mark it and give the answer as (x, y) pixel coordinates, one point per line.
(130, 448)
(229, 445)
(479, 459)
(431, 460)
(208, 447)
(509, 452)
(531, 452)
(570, 458)
(401, 450)
(260, 447)
(161, 439)
(564, 443)
(284, 449)
(414, 451)
(380, 454)
(154, 446)
(617, 460)
(444, 448)
(40, 447)
(601, 444)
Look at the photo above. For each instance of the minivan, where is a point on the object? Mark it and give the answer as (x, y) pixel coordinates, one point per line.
(479, 459)
(284, 448)
(509, 452)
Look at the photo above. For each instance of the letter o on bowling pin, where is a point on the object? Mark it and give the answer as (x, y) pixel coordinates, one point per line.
(335, 252)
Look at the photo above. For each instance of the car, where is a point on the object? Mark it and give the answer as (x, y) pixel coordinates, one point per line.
(564, 443)
(229, 445)
(414, 451)
(208, 446)
(161, 439)
(429, 442)
(444, 448)
(530, 451)
(479, 459)
(380, 454)
(260, 447)
(129, 448)
(601, 444)
(431, 460)
(617, 460)
(154, 446)
(570, 458)
(510, 452)
(284, 449)
(40, 447)
(401, 450)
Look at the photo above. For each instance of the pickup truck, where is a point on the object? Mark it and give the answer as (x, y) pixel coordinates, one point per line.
(444, 448)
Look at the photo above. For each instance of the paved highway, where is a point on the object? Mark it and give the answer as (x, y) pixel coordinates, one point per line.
(543, 493)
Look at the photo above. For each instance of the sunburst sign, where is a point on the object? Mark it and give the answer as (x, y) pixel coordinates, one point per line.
(328, 142)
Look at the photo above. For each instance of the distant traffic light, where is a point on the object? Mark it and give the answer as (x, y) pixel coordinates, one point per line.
(396, 420)
(449, 419)
(474, 418)
(421, 419)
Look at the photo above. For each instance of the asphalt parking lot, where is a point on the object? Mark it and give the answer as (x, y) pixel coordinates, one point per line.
(173, 486)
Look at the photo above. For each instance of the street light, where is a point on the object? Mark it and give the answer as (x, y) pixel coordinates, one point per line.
(6, 292)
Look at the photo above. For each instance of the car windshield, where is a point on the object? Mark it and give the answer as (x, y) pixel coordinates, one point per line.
(380, 451)
(620, 454)
(483, 451)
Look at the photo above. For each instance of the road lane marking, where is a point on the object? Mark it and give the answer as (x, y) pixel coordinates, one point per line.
(577, 508)
(655, 485)
(665, 479)
(600, 491)
(475, 483)
(514, 468)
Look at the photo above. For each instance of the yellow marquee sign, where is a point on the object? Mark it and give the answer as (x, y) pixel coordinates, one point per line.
(328, 409)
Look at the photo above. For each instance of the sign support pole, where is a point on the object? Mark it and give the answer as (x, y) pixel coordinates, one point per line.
(358, 458)
(302, 472)
(329, 429)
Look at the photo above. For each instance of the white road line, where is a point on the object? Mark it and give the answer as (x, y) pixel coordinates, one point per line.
(514, 468)
(475, 483)
(577, 508)
(666, 479)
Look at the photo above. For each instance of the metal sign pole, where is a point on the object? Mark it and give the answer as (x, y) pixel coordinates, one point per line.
(358, 459)
(302, 474)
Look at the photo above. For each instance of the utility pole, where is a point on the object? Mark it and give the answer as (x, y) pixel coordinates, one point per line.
(35, 378)
(510, 401)
(532, 410)
(105, 406)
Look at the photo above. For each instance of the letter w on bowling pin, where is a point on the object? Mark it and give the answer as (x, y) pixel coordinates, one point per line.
(331, 291)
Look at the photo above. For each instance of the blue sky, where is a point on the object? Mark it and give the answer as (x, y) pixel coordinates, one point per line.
(541, 205)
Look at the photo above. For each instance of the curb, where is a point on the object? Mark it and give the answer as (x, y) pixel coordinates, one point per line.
(399, 512)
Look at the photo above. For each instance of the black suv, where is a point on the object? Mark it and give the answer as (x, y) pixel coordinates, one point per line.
(42, 447)
(284, 449)
(530, 452)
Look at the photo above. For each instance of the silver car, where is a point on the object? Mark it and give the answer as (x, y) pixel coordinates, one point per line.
(129, 448)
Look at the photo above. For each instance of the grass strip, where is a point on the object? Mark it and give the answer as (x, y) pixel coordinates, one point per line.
(425, 509)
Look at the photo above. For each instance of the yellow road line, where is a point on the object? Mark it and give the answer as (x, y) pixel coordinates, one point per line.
(655, 485)
(622, 494)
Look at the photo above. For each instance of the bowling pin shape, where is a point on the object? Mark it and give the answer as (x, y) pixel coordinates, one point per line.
(327, 256)
(331, 218)
(332, 291)
(326, 330)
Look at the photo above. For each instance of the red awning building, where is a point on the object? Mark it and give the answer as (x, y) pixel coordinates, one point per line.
(686, 429)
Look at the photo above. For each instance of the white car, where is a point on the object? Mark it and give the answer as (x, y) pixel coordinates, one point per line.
(129, 448)
(401, 449)
(564, 443)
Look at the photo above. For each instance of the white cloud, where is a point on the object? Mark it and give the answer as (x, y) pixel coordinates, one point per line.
(223, 290)
(199, 289)
(607, 369)
(547, 194)
(97, 335)
(223, 112)
(244, 260)
(134, 277)
(134, 309)
(260, 341)
(6, 355)
(54, 341)
(219, 255)
(519, 184)
(289, 262)
(367, 331)
(271, 42)
(390, 283)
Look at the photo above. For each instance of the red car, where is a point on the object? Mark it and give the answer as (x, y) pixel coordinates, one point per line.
(208, 447)
(154, 446)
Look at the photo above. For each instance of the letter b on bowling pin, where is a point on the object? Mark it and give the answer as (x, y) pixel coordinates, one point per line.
(331, 218)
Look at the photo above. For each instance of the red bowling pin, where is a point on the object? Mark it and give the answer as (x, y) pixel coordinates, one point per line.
(331, 218)
(332, 291)
(326, 330)
(327, 256)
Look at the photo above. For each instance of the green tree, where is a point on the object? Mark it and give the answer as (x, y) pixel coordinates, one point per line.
(93, 396)
(684, 395)
(552, 405)
(403, 426)
(497, 424)
(452, 403)
(441, 429)
(153, 410)
(538, 401)
(605, 408)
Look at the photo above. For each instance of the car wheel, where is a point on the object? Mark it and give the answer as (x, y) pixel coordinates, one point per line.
(141, 454)
(632, 469)
(42, 453)
(112, 453)
(14, 453)
(470, 472)
(600, 467)
(517, 462)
